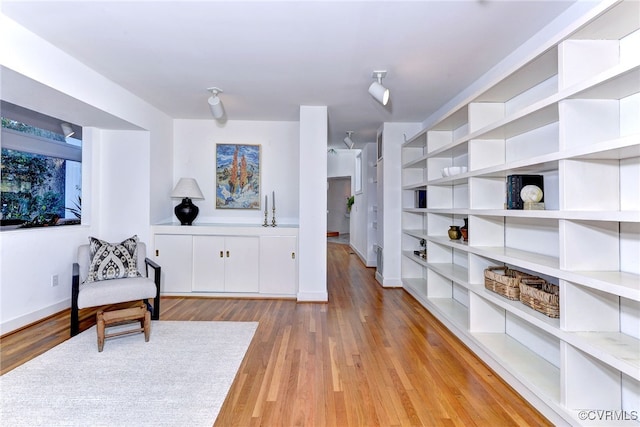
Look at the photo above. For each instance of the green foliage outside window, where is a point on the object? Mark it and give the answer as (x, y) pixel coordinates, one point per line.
(32, 186)
(25, 128)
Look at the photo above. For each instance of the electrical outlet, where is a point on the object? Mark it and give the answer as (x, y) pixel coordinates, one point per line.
(54, 280)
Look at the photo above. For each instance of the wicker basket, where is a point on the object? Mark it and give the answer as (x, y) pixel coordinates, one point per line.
(541, 295)
(506, 283)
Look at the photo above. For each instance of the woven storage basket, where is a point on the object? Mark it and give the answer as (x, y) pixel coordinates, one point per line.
(541, 295)
(506, 283)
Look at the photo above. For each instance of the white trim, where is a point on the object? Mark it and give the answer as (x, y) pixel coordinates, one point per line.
(15, 140)
(34, 316)
(313, 297)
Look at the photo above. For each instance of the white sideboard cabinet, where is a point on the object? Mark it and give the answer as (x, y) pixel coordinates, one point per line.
(278, 264)
(227, 260)
(175, 252)
(571, 114)
(226, 263)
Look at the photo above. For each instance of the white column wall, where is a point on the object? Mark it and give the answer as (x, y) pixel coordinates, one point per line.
(393, 136)
(124, 185)
(312, 243)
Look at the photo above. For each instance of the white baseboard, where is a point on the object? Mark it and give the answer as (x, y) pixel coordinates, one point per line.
(313, 297)
(365, 261)
(27, 319)
(388, 282)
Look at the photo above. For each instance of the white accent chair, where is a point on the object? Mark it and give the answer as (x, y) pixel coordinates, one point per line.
(105, 292)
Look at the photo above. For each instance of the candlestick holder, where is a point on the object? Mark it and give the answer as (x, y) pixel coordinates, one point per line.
(265, 223)
(273, 220)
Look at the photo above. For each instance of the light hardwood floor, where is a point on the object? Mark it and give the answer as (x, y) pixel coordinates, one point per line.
(370, 357)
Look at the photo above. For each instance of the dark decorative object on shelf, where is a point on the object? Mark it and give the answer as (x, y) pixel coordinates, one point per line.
(421, 199)
(454, 232)
(465, 229)
(186, 211)
(186, 189)
(515, 183)
(422, 253)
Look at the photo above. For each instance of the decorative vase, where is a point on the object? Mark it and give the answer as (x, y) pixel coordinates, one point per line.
(465, 229)
(186, 211)
(454, 232)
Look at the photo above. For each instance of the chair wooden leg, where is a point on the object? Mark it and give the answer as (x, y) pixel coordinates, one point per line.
(100, 327)
(147, 326)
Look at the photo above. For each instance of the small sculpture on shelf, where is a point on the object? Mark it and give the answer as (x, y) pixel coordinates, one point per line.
(454, 232)
(464, 230)
(422, 253)
(531, 196)
(266, 213)
(273, 203)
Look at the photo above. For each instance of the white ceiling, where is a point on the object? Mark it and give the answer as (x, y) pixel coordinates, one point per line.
(270, 57)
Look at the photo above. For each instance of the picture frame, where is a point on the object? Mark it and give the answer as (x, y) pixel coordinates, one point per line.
(238, 176)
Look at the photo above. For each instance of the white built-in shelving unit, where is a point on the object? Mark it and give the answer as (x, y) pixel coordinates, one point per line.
(571, 114)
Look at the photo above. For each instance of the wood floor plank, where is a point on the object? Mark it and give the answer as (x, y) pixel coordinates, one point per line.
(369, 357)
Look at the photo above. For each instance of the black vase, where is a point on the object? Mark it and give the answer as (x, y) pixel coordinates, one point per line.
(186, 211)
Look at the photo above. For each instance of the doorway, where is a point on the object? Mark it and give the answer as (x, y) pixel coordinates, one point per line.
(338, 219)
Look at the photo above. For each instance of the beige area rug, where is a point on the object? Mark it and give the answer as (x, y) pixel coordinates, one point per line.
(179, 378)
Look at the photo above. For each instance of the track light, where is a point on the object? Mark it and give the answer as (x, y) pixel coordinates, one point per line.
(379, 92)
(67, 130)
(348, 141)
(215, 104)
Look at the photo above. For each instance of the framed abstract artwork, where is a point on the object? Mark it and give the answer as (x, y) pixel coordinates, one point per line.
(237, 176)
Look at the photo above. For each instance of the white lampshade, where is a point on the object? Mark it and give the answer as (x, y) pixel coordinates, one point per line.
(379, 92)
(187, 188)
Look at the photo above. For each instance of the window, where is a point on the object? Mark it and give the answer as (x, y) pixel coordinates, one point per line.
(41, 177)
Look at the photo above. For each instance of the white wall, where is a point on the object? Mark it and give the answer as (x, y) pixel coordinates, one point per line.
(41, 77)
(124, 191)
(341, 163)
(194, 156)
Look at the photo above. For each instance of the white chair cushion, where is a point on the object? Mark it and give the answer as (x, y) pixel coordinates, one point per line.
(115, 291)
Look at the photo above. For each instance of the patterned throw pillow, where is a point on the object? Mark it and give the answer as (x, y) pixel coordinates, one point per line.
(113, 260)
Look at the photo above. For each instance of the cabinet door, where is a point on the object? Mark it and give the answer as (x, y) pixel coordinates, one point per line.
(173, 254)
(279, 265)
(241, 264)
(208, 263)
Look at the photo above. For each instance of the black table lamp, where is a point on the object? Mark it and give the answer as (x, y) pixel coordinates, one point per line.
(186, 189)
